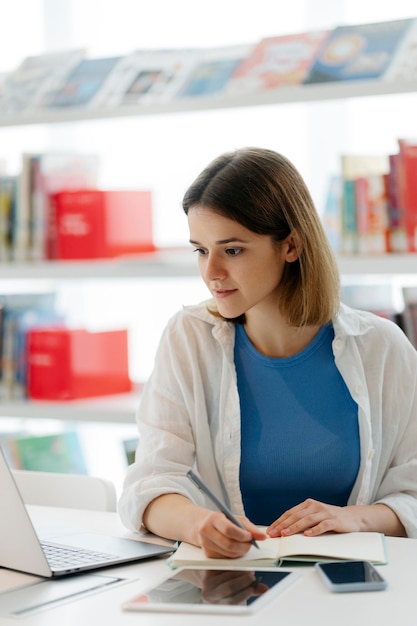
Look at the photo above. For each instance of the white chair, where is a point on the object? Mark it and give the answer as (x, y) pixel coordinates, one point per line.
(74, 491)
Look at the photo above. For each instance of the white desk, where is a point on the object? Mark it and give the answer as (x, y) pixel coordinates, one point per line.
(306, 602)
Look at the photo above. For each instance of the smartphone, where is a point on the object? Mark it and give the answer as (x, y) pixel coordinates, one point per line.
(351, 576)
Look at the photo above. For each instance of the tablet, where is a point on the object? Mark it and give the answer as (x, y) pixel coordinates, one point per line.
(213, 591)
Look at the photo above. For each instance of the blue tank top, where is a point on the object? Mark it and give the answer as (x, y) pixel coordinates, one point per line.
(299, 428)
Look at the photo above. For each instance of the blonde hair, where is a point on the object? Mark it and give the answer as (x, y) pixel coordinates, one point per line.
(262, 190)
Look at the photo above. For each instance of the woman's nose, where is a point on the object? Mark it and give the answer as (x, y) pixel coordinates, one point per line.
(214, 269)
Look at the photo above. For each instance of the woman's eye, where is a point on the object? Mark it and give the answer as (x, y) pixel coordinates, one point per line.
(233, 251)
(199, 251)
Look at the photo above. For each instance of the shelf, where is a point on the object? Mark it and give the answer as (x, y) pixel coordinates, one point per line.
(283, 95)
(118, 408)
(164, 263)
(386, 264)
(182, 263)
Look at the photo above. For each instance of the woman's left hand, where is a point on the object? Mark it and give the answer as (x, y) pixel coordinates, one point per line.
(315, 518)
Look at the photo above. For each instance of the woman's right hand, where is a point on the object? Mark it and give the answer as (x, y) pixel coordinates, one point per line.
(220, 538)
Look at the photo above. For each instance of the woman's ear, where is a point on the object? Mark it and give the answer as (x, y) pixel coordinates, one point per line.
(293, 247)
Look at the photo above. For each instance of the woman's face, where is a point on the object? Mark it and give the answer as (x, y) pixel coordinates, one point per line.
(242, 269)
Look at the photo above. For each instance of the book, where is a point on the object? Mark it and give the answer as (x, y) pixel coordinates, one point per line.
(146, 76)
(41, 175)
(372, 213)
(355, 220)
(369, 546)
(357, 52)
(213, 71)
(25, 88)
(407, 189)
(52, 172)
(82, 86)
(65, 364)
(102, 223)
(277, 61)
(7, 208)
(332, 214)
(396, 233)
(20, 312)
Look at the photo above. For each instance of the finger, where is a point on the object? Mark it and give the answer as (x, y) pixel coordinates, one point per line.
(303, 524)
(293, 516)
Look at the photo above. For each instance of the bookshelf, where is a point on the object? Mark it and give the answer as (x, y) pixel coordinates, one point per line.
(174, 263)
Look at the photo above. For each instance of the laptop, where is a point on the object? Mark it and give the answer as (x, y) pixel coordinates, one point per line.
(75, 551)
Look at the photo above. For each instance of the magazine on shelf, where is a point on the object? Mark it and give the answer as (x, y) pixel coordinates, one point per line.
(82, 86)
(277, 61)
(146, 76)
(403, 65)
(358, 52)
(25, 88)
(213, 71)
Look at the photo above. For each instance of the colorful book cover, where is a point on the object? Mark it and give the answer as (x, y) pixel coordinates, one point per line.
(25, 88)
(277, 61)
(213, 72)
(83, 84)
(357, 52)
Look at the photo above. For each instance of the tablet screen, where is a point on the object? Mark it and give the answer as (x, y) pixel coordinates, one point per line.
(213, 591)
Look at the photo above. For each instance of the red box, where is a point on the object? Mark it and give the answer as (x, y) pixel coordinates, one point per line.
(65, 364)
(93, 223)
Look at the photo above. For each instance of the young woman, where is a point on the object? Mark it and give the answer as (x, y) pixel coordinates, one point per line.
(297, 411)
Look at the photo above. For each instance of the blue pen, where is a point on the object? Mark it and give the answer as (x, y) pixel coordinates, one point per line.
(222, 507)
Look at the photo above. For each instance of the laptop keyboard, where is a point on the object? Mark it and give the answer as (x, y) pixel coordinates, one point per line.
(63, 557)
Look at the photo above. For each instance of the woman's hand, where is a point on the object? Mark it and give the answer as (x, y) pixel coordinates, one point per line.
(220, 538)
(315, 518)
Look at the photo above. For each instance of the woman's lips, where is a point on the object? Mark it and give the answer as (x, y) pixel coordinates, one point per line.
(223, 293)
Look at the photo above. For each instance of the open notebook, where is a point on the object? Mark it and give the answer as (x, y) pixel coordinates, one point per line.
(21, 548)
(367, 546)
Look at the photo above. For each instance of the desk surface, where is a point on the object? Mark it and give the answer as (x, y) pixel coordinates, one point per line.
(305, 602)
